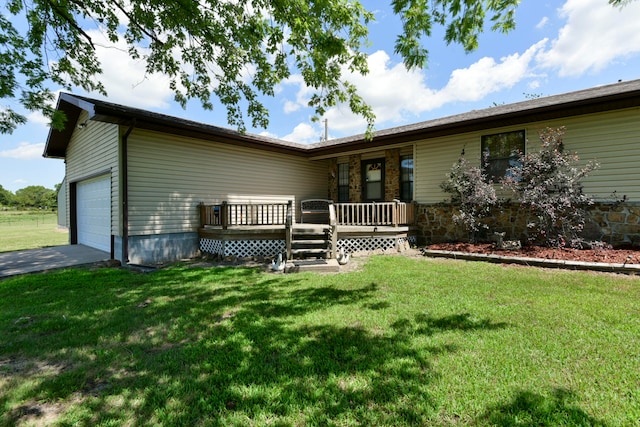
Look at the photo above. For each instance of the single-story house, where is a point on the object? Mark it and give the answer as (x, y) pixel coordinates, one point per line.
(149, 188)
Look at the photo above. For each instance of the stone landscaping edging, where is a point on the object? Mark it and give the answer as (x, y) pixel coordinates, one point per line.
(536, 262)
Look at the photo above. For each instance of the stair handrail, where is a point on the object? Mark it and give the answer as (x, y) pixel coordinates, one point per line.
(289, 229)
(333, 224)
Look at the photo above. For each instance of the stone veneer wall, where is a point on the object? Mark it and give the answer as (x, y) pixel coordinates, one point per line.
(333, 180)
(355, 179)
(617, 224)
(392, 174)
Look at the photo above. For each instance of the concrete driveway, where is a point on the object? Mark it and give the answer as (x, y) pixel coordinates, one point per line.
(33, 260)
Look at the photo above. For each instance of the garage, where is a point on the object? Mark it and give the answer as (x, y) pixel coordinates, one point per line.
(93, 204)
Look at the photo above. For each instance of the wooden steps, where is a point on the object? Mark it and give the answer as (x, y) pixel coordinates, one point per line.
(310, 241)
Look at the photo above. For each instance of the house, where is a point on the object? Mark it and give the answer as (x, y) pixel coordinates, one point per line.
(149, 188)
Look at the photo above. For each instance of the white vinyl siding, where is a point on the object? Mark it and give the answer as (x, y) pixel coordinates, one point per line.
(170, 175)
(611, 138)
(433, 160)
(92, 150)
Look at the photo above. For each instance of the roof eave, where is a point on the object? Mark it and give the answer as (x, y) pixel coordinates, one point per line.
(609, 102)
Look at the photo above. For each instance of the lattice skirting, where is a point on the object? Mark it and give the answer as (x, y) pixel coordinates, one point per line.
(271, 248)
(243, 248)
(370, 244)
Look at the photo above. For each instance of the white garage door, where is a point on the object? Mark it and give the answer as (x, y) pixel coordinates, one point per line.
(94, 213)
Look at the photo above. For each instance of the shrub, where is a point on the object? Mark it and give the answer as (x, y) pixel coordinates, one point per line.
(548, 186)
(475, 195)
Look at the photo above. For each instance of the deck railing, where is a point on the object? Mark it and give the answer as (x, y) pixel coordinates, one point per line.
(228, 214)
(375, 213)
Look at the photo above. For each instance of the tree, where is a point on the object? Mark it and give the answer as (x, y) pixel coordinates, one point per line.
(6, 197)
(472, 193)
(234, 51)
(548, 185)
(36, 196)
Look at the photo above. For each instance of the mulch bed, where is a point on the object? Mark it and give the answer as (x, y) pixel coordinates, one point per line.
(605, 255)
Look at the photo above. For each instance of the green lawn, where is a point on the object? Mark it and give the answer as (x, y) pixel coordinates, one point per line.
(402, 342)
(29, 230)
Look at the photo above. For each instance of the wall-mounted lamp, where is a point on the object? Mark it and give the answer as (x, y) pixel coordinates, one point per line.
(83, 124)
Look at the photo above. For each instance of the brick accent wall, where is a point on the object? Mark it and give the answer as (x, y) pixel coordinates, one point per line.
(617, 224)
(392, 174)
(333, 180)
(355, 179)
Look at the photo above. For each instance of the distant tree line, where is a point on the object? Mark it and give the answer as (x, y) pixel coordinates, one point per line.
(31, 197)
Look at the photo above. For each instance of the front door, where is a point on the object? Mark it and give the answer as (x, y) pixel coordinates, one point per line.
(373, 180)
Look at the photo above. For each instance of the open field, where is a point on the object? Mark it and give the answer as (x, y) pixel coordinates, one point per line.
(29, 230)
(401, 342)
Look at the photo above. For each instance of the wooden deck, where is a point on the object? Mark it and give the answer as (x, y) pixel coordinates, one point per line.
(350, 225)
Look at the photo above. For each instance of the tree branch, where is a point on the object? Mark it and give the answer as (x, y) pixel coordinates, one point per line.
(70, 21)
(149, 34)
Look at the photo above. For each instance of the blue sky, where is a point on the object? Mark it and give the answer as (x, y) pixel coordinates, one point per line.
(558, 46)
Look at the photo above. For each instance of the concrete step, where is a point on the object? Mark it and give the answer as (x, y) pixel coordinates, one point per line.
(313, 265)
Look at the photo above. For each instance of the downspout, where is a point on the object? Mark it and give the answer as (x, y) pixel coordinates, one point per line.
(125, 192)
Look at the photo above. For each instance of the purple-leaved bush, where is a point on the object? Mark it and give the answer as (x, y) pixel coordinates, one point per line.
(548, 186)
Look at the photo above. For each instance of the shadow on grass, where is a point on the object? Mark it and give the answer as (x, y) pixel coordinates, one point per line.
(532, 409)
(213, 347)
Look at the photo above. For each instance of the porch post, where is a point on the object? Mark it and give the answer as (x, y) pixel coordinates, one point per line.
(396, 212)
(203, 213)
(224, 214)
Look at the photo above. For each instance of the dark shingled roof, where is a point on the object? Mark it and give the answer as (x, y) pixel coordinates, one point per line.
(109, 112)
(603, 98)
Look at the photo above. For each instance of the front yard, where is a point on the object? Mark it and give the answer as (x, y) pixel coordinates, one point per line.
(401, 342)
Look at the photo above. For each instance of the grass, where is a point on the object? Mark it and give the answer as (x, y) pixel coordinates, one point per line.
(402, 342)
(30, 230)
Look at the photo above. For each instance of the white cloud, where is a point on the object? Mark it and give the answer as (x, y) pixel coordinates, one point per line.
(486, 76)
(303, 134)
(268, 134)
(303, 95)
(392, 90)
(126, 80)
(398, 95)
(596, 34)
(24, 151)
(540, 25)
(534, 84)
(37, 118)
(291, 106)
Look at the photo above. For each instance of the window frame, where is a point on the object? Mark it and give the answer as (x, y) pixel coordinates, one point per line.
(407, 181)
(343, 186)
(511, 160)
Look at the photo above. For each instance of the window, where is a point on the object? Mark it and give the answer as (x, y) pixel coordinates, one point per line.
(406, 178)
(501, 151)
(343, 182)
